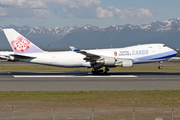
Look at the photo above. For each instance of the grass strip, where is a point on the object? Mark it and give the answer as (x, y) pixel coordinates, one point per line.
(169, 97)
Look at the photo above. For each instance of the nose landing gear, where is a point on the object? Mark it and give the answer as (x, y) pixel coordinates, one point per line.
(160, 65)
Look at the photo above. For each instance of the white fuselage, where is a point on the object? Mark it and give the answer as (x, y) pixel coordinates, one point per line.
(138, 53)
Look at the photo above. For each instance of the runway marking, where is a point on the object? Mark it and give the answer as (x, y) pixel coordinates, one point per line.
(50, 76)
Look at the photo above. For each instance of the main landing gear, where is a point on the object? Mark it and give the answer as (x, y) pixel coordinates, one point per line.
(100, 71)
(160, 65)
(106, 70)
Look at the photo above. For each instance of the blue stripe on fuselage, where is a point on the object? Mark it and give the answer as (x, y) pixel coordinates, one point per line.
(156, 57)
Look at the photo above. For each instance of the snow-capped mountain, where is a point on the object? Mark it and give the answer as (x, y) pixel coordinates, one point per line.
(169, 25)
(90, 27)
(90, 36)
(39, 31)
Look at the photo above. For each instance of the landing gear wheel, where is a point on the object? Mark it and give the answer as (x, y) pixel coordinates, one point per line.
(100, 71)
(106, 70)
(159, 67)
(160, 62)
(96, 72)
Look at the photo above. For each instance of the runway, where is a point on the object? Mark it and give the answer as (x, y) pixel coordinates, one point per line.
(84, 81)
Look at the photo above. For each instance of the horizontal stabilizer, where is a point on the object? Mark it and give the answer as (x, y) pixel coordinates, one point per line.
(22, 56)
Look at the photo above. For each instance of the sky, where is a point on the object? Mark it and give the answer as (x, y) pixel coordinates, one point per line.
(101, 13)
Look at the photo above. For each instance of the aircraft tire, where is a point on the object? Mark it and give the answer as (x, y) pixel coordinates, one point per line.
(159, 67)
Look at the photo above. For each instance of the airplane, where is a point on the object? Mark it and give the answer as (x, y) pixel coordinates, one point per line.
(5, 55)
(25, 51)
(174, 59)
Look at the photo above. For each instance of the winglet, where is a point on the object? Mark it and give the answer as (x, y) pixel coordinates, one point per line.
(74, 49)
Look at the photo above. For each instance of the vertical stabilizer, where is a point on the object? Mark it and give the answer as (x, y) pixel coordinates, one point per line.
(19, 43)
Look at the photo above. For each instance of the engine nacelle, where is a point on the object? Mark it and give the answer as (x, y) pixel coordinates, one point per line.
(124, 63)
(11, 58)
(109, 61)
(97, 66)
(112, 62)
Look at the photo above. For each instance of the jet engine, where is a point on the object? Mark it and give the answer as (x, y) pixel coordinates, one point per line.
(124, 63)
(113, 62)
(11, 58)
(110, 61)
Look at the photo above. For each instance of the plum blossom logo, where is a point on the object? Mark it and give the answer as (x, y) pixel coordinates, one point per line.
(115, 53)
(20, 44)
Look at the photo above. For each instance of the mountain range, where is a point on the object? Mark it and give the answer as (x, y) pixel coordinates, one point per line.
(89, 36)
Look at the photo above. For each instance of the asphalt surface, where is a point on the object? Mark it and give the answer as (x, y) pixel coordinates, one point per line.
(84, 81)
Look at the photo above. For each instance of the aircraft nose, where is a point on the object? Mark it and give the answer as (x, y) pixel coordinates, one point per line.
(173, 52)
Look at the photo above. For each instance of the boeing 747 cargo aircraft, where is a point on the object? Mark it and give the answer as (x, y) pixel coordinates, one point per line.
(26, 51)
(5, 55)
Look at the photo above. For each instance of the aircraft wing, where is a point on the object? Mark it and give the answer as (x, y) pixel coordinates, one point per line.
(89, 56)
(174, 59)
